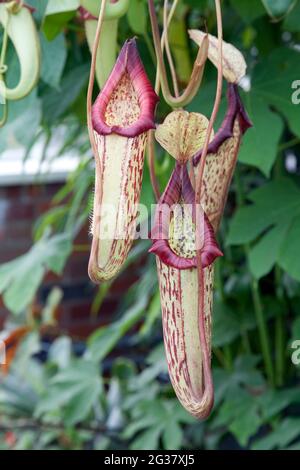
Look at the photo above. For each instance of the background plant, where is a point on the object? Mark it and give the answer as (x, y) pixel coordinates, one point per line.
(95, 402)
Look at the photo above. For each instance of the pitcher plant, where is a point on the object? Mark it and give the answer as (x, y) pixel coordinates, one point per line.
(189, 212)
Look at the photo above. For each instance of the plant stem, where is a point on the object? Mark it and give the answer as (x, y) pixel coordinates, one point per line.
(262, 328)
(287, 145)
(150, 47)
(280, 339)
(219, 281)
(228, 356)
(257, 303)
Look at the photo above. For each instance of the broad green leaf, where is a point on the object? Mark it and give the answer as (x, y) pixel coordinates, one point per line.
(56, 253)
(247, 223)
(274, 401)
(148, 440)
(289, 252)
(21, 278)
(54, 55)
(295, 329)
(264, 254)
(56, 103)
(246, 425)
(172, 436)
(292, 20)
(239, 413)
(278, 8)
(138, 425)
(56, 23)
(272, 82)
(81, 404)
(23, 288)
(59, 6)
(7, 272)
(60, 352)
(248, 10)
(40, 7)
(137, 16)
(75, 389)
(104, 340)
(277, 202)
(225, 324)
(281, 193)
(260, 146)
(153, 313)
(286, 432)
(23, 122)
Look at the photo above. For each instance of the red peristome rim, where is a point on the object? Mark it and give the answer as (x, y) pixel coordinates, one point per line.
(85, 15)
(180, 186)
(235, 110)
(128, 61)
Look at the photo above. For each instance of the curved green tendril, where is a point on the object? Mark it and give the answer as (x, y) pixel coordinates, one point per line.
(3, 70)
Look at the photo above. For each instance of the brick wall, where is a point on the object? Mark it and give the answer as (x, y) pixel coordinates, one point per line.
(20, 206)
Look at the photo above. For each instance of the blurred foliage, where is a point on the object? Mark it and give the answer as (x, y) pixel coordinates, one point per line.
(93, 400)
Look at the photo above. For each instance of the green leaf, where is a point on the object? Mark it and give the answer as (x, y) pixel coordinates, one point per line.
(75, 389)
(153, 313)
(104, 340)
(55, 24)
(277, 202)
(58, 250)
(60, 352)
(172, 436)
(278, 8)
(22, 290)
(137, 16)
(248, 10)
(260, 146)
(276, 205)
(40, 7)
(225, 324)
(292, 20)
(54, 55)
(285, 433)
(272, 82)
(59, 6)
(239, 413)
(56, 103)
(148, 440)
(23, 122)
(247, 223)
(246, 425)
(21, 278)
(264, 254)
(289, 253)
(273, 402)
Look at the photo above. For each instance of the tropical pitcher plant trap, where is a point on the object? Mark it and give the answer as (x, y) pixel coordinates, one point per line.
(121, 125)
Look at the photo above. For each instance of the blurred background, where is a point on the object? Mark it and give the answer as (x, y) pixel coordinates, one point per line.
(85, 366)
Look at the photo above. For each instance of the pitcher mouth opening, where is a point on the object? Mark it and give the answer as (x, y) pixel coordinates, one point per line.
(178, 250)
(109, 116)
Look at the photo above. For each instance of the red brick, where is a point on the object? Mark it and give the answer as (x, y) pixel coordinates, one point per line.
(17, 229)
(20, 211)
(9, 254)
(51, 278)
(11, 192)
(83, 238)
(77, 267)
(82, 331)
(3, 317)
(42, 207)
